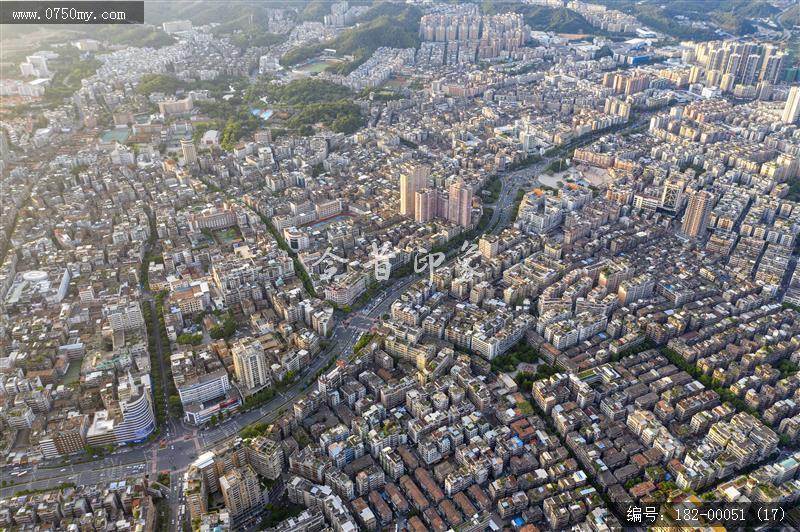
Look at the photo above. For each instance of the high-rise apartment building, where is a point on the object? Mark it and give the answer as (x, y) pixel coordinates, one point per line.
(250, 365)
(694, 74)
(413, 177)
(124, 316)
(242, 494)
(266, 457)
(189, 152)
(672, 194)
(69, 435)
(743, 62)
(791, 111)
(772, 65)
(425, 205)
(196, 493)
(460, 209)
(696, 217)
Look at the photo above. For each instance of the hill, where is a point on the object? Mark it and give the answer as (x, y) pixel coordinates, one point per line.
(732, 16)
(313, 101)
(248, 17)
(383, 25)
(300, 92)
(130, 35)
(199, 12)
(791, 17)
(165, 83)
(298, 105)
(315, 10)
(543, 18)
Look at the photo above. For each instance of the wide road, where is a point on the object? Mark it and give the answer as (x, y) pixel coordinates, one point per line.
(503, 208)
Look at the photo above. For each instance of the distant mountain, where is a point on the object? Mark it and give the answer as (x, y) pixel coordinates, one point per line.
(733, 16)
(240, 16)
(791, 17)
(244, 14)
(127, 34)
(543, 18)
(315, 10)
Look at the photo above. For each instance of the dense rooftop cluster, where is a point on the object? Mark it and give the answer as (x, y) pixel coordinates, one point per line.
(499, 278)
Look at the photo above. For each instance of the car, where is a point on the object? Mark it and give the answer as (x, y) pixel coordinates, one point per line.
(63, 469)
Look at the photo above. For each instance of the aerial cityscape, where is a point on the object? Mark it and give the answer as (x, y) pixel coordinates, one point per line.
(408, 266)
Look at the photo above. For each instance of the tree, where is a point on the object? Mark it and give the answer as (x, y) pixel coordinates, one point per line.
(224, 330)
(231, 134)
(192, 339)
(252, 431)
(362, 342)
(93, 451)
(165, 83)
(347, 124)
(175, 403)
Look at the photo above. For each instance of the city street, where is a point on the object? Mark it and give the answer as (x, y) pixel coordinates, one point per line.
(546, 219)
(185, 443)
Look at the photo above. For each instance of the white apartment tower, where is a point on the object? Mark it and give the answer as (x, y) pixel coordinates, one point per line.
(189, 152)
(250, 365)
(791, 112)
